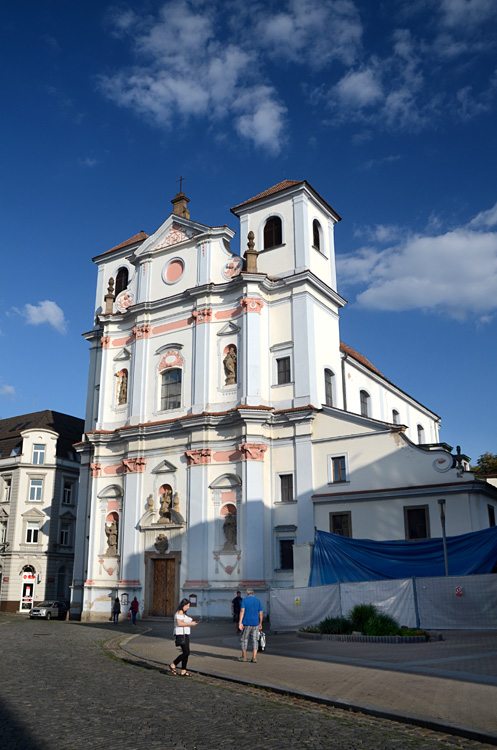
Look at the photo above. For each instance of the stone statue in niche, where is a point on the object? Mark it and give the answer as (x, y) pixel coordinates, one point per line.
(175, 513)
(229, 529)
(122, 393)
(165, 506)
(111, 533)
(229, 363)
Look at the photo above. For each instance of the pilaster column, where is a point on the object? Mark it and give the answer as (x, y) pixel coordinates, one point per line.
(129, 538)
(196, 563)
(140, 374)
(304, 351)
(304, 489)
(252, 513)
(251, 350)
(201, 359)
(301, 232)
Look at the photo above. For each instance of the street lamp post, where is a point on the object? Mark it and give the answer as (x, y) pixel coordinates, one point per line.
(441, 507)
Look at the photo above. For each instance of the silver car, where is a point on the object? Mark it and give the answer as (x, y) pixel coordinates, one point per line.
(48, 609)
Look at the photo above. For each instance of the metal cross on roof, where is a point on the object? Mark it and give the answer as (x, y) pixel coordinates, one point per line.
(181, 178)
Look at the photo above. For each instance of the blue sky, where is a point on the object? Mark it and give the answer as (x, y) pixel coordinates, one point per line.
(388, 109)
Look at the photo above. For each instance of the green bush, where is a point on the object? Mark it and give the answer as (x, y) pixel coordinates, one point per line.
(381, 624)
(335, 626)
(310, 629)
(360, 614)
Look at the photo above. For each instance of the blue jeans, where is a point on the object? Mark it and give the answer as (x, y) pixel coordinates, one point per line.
(133, 617)
(116, 617)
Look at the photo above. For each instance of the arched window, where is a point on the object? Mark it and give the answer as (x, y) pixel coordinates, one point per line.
(421, 434)
(395, 416)
(328, 387)
(121, 280)
(316, 234)
(171, 389)
(272, 232)
(364, 404)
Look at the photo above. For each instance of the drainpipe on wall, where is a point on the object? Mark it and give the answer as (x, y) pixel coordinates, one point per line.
(344, 389)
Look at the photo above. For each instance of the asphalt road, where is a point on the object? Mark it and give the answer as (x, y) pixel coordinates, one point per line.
(60, 687)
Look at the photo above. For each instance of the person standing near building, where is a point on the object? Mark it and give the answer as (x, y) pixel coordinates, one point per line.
(236, 605)
(250, 623)
(116, 610)
(134, 609)
(182, 625)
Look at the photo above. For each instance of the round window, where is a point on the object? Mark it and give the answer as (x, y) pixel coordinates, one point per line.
(173, 271)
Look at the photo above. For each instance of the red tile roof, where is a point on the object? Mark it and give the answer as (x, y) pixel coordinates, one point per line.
(140, 237)
(284, 185)
(360, 358)
(270, 191)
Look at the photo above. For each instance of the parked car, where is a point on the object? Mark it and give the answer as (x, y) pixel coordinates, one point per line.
(48, 609)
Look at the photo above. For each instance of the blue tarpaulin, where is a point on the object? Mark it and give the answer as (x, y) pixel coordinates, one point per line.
(338, 559)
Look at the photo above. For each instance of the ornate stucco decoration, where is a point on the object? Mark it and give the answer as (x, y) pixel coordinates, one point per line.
(202, 316)
(161, 544)
(171, 358)
(134, 465)
(96, 470)
(141, 332)
(232, 268)
(124, 300)
(177, 233)
(251, 304)
(105, 341)
(252, 451)
(200, 456)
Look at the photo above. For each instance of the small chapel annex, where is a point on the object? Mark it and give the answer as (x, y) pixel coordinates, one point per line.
(226, 420)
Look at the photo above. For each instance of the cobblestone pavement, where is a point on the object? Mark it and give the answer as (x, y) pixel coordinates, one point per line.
(60, 687)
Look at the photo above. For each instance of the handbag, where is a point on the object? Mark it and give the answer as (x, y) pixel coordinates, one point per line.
(179, 640)
(262, 641)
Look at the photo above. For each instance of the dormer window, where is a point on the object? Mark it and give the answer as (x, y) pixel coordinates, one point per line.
(316, 234)
(272, 232)
(121, 280)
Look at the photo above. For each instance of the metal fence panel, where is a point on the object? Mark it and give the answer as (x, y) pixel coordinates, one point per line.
(392, 597)
(458, 602)
(291, 609)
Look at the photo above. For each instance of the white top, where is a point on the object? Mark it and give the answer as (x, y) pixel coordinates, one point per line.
(179, 629)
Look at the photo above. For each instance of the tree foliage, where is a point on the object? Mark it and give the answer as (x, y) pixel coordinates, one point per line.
(486, 464)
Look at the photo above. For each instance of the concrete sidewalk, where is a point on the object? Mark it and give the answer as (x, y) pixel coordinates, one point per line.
(448, 685)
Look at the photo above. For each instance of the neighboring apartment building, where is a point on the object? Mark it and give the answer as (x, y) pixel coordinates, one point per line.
(39, 472)
(226, 420)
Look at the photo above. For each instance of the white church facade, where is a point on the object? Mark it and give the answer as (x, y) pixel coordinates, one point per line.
(226, 420)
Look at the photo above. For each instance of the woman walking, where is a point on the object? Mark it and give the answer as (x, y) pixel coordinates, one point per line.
(182, 625)
(116, 610)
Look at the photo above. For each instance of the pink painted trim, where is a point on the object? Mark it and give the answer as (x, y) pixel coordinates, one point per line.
(131, 582)
(105, 341)
(228, 314)
(89, 582)
(113, 470)
(96, 470)
(172, 326)
(142, 332)
(252, 584)
(123, 342)
(227, 456)
(134, 465)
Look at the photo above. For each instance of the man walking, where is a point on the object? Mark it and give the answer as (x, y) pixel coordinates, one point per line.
(250, 623)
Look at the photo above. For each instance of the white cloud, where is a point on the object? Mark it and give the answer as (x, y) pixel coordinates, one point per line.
(88, 161)
(467, 13)
(359, 89)
(454, 273)
(44, 312)
(382, 233)
(7, 390)
(316, 32)
(186, 71)
(486, 218)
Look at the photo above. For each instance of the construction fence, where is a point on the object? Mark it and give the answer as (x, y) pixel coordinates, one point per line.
(453, 603)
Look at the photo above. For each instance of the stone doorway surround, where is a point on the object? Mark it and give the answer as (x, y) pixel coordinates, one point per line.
(150, 566)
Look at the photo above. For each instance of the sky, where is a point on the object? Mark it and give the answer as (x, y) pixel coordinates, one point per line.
(388, 109)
